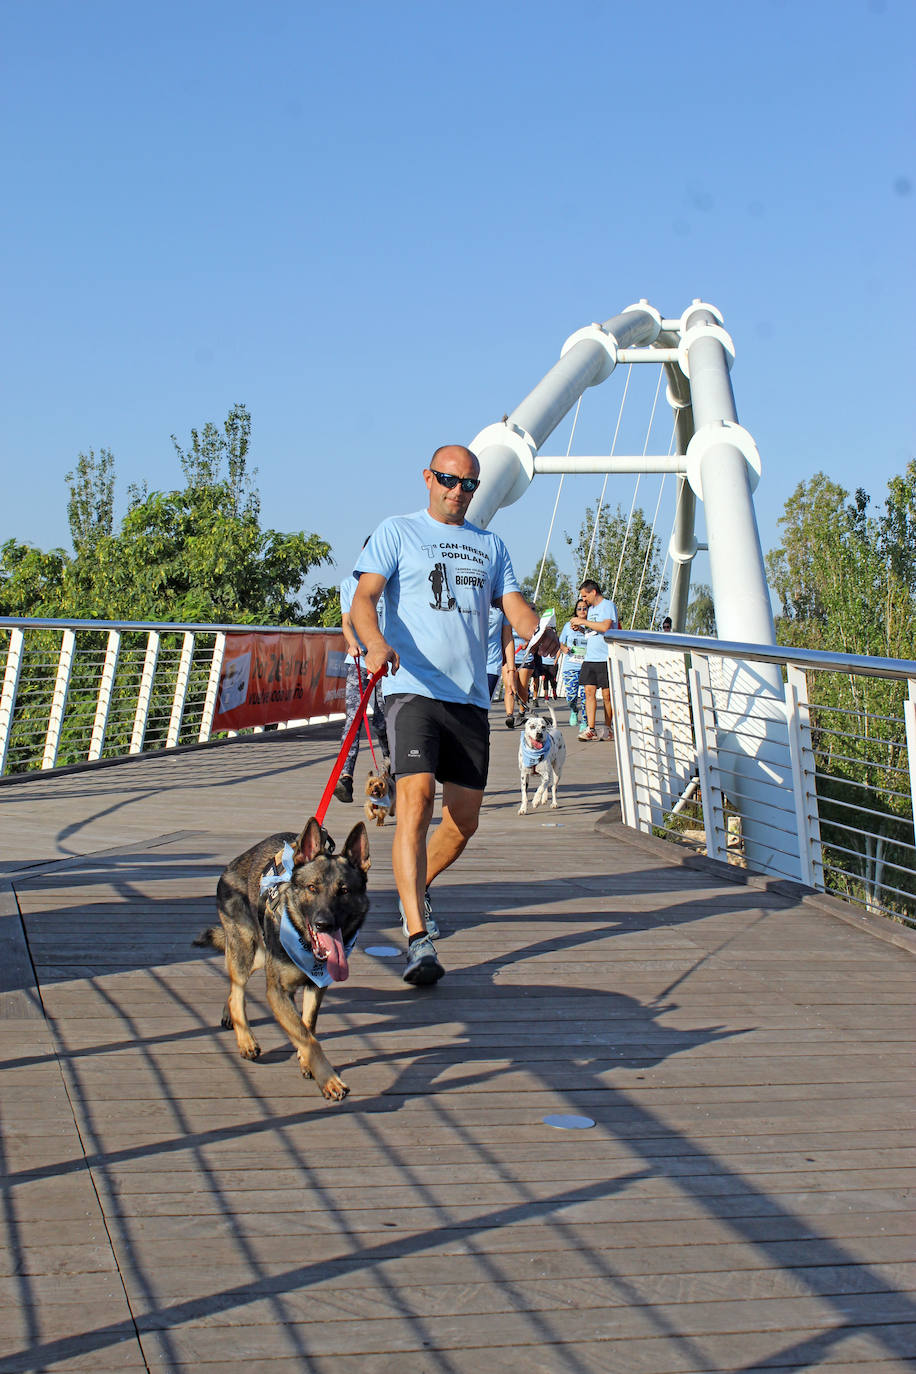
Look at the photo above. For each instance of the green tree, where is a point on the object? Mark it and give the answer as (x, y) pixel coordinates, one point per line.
(197, 554)
(90, 509)
(625, 559)
(701, 612)
(31, 582)
(847, 582)
(556, 589)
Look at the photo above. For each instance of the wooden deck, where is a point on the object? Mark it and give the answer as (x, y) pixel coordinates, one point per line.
(743, 1201)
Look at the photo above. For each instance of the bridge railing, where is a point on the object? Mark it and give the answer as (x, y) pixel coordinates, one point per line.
(77, 691)
(826, 769)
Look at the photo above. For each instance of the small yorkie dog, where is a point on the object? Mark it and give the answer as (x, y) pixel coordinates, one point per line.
(380, 796)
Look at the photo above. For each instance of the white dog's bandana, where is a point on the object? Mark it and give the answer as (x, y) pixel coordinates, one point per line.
(534, 754)
(298, 949)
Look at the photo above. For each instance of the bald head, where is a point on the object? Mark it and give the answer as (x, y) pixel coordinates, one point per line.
(447, 452)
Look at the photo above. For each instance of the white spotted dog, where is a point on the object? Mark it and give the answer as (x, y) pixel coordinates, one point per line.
(541, 754)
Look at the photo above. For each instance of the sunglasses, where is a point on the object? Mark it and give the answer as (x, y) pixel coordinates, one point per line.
(448, 479)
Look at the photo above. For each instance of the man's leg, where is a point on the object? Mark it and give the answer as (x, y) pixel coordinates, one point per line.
(608, 711)
(591, 703)
(460, 818)
(416, 793)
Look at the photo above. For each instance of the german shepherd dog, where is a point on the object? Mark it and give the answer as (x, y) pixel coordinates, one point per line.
(291, 905)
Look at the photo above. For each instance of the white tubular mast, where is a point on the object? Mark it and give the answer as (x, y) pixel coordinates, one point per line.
(506, 450)
(717, 462)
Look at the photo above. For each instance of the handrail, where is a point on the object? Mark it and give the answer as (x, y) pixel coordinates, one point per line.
(821, 659)
(84, 691)
(172, 626)
(801, 773)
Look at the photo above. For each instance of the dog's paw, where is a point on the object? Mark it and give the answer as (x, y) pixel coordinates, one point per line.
(250, 1050)
(226, 1021)
(335, 1090)
(554, 805)
(523, 811)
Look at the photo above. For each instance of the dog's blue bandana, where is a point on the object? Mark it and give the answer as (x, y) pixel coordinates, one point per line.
(532, 757)
(298, 949)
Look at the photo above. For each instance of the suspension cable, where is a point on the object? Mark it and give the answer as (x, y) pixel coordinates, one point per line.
(645, 450)
(650, 543)
(677, 509)
(588, 557)
(556, 503)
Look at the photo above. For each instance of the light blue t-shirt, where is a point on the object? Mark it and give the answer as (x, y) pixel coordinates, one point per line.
(347, 590)
(495, 640)
(596, 648)
(441, 581)
(575, 641)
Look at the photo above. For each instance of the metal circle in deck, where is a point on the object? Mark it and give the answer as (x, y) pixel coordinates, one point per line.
(382, 951)
(564, 1122)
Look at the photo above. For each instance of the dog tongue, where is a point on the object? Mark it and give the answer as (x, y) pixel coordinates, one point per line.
(537, 744)
(331, 946)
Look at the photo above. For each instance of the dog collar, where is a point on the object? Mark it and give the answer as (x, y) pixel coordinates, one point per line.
(532, 757)
(302, 955)
(299, 950)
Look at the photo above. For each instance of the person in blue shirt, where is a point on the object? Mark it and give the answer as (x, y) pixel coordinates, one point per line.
(439, 575)
(356, 678)
(499, 656)
(572, 650)
(602, 616)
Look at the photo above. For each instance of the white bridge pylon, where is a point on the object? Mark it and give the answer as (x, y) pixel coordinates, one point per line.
(716, 459)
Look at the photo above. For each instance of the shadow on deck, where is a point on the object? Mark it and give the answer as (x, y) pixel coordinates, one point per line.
(740, 1203)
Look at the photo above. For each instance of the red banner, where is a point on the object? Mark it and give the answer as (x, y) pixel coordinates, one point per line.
(270, 678)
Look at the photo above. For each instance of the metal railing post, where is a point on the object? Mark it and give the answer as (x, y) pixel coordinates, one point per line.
(103, 702)
(59, 699)
(146, 692)
(181, 690)
(909, 715)
(216, 668)
(8, 695)
(803, 781)
(626, 777)
(704, 725)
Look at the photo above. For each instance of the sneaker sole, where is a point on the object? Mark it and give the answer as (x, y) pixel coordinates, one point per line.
(424, 973)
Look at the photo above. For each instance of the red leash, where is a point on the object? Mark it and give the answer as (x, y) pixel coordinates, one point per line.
(359, 674)
(348, 740)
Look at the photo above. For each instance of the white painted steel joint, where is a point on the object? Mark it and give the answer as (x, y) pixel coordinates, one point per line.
(712, 436)
(674, 401)
(644, 308)
(593, 333)
(682, 553)
(505, 434)
(684, 321)
(704, 331)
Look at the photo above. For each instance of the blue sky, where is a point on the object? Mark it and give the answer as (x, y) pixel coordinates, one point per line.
(376, 224)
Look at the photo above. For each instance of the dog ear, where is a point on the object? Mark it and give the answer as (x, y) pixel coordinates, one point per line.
(309, 843)
(356, 847)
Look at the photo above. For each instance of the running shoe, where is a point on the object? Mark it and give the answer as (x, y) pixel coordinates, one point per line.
(432, 928)
(510, 722)
(344, 789)
(573, 718)
(423, 967)
(588, 734)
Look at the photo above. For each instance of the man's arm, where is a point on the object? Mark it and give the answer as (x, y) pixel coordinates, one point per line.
(364, 616)
(353, 645)
(525, 621)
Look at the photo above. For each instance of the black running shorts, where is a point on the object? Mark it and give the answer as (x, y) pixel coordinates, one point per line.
(594, 674)
(449, 739)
